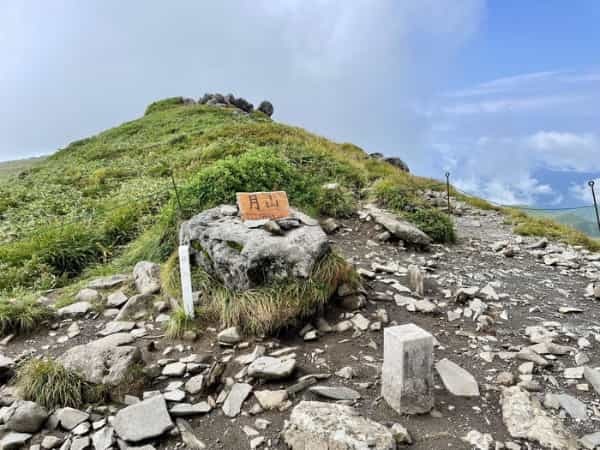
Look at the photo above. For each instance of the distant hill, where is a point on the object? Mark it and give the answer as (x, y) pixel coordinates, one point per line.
(583, 220)
(9, 168)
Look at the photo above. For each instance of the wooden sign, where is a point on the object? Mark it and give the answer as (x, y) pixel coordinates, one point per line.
(263, 205)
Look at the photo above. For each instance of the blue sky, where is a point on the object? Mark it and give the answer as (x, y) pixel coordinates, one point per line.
(504, 94)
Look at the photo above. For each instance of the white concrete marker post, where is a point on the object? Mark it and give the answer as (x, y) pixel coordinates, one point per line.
(186, 280)
(407, 372)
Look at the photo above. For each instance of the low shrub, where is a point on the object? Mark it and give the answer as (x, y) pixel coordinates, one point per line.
(335, 202)
(178, 324)
(396, 195)
(268, 309)
(435, 224)
(22, 316)
(51, 385)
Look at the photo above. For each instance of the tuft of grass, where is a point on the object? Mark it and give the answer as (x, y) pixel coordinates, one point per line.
(527, 225)
(162, 105)
(397, 194)
(178, 324)
(22, 316)
(335, 202)
(434, 223)
(265, 310)
(49, 384)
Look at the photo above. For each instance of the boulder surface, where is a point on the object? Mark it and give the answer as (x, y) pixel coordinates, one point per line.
(243, 256)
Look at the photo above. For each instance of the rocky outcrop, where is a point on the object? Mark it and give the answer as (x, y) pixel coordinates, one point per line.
(394, 161)
(105, 360)
(525, 419)
(146, 275)
(25, 417)
(400, 229)
(243, 257)
(266, 107)
(317, 425)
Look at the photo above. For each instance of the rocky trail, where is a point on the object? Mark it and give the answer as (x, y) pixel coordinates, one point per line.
(509, 311)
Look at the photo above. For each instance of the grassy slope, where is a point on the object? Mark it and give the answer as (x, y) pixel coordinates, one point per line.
(105, 202)
(11, 168)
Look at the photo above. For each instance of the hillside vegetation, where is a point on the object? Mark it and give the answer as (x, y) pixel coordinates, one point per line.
(105, 202)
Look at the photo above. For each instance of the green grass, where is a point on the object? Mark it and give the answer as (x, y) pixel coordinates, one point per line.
(527, 225)
(49, 384)
(19, 316)
(105, 202)
(268, 309)
(435, 223)
(179, 323)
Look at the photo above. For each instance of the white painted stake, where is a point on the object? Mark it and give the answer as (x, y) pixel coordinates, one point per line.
(186, 280)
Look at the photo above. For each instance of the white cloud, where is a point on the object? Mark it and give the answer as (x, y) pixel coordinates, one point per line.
(504, 84)
(566, 150)
(582, 191)
(508, 105)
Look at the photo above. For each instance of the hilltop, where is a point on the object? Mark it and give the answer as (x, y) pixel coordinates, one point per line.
(286, 345)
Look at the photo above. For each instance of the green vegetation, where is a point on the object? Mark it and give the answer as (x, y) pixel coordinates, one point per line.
(435, 223)
(19, 316)
(49, 384)
(178, 324)
(268, 309)
(105, 202)
(527, 225)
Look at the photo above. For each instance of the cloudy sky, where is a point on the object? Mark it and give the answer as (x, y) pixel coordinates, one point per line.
(505, 95)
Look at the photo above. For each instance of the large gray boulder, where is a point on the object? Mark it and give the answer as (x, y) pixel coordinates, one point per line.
(397, 162)
(405, 231)
(105, 360)
(144, 420)
(25, 417)
(317, 425)
(243, 256)
(266, 107)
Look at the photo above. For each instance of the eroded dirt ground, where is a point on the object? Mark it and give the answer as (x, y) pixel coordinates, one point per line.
(531, 293)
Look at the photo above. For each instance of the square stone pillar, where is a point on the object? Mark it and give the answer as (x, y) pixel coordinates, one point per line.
(407, 373)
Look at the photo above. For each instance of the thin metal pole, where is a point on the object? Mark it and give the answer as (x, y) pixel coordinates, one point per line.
(448, 190)
(591, 184)
(176, 192)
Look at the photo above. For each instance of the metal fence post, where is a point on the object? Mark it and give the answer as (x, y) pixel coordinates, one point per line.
(448, 191)
(591, 185)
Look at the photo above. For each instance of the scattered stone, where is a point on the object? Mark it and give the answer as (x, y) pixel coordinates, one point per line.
(525, 419)
(317, 425)
(407, 375)
(229, 336)
(360, 322)
(593, 377)
(335, 393)
(233, 404)
(401, 229)
(270, 399)
(575, 408)
(195, 384)
(136, 306)
(108, 282)
(144, 420)
(25, 417)
(176, 369)
(75, 309)
(104, 361)
(479, 441)
(187, 409)
(269, 368)
(457, 380)
(146, 276)
(188, 436)
(69, 418)
(103, 438)
(416, 280)
(116, 299)
(13, 441)
(590, 441)
(401, 434)
(88, 295)
(117, 327)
